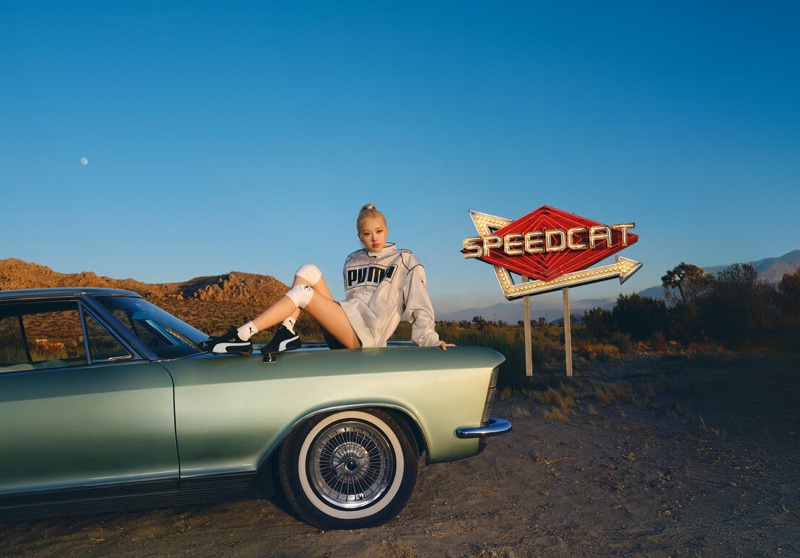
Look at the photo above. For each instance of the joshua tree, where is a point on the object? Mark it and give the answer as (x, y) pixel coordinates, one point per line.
(688, 279)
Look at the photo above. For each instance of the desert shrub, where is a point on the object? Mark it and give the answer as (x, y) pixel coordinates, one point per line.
(739, 309)
(683, 323)
(595, 351)
(639, 316)
(659, 341)
(584, 347)
(622, 341)
(598, 322)
(607, 352)
(788, 300)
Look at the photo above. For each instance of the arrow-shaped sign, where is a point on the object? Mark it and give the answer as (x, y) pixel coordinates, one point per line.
(622, 268)
(524, 246)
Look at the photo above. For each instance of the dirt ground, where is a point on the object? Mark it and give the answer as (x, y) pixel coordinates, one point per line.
(658, 456)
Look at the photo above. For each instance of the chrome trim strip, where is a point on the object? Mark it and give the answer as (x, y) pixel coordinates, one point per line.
(494, 427)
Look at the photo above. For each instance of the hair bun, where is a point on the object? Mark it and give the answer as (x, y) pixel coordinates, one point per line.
(368, 211)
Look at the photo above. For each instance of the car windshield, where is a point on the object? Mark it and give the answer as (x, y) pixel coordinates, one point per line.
(165, 334)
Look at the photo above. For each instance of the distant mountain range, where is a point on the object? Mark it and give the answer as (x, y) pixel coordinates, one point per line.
(770, 270)
(215, 302)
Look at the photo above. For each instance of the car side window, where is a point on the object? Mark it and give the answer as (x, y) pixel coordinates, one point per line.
(139, 327)
(12, 349)
(103, 347)
(33, 337)
(40, 336)
(55, 338)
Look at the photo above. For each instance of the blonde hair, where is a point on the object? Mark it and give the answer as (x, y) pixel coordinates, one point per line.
(369, 210)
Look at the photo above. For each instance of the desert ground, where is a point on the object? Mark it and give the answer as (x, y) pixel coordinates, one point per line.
(645, 455)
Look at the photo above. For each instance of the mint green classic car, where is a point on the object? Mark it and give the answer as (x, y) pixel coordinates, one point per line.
(107, 403)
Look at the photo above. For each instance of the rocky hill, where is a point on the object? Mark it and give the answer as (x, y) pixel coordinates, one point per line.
(209, 303)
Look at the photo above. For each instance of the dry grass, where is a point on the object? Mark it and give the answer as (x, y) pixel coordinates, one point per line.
(595, 351)
(566, 398)
(561, 401)
(614, 393)
(520, 412)
(555, 414)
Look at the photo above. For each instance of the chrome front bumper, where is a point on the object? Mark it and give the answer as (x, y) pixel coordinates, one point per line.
(494, 427)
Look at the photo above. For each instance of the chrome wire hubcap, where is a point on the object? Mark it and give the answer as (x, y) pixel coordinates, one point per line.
(350, 464)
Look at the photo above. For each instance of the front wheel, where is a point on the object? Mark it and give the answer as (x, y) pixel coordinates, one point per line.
(349, 469)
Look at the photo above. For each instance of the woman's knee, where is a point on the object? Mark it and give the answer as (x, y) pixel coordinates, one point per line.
(300, 295)
(310, 273)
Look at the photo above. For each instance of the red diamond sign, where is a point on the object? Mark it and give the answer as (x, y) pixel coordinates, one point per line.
(550, 247)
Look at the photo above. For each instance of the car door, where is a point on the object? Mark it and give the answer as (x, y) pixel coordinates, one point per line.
(79, 408)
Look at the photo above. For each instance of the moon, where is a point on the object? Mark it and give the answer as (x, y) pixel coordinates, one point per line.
(84, 161)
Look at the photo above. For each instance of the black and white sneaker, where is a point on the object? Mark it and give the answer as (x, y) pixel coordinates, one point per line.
(229, 342)
(284, 340)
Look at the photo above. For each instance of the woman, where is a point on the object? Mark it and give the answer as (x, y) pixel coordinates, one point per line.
(381, 284)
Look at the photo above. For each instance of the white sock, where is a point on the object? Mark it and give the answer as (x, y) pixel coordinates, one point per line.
(247, 331)
(288, 323)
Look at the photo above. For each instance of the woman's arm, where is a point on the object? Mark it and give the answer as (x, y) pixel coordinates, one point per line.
(419, 309)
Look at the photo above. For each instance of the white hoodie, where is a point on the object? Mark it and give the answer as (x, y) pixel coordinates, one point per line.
(379, 288)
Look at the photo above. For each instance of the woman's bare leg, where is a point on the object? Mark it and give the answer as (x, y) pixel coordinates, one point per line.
(276, 313)
(322, 307)
(331, 316)
(320, 287)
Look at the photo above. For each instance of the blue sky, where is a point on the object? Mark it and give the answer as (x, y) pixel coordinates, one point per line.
(244, 136)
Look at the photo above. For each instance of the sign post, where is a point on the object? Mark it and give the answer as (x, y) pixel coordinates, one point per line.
(526, 316)
(567, 331)
(551, 250)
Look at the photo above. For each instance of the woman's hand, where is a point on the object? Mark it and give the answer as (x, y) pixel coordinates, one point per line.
(443, 345)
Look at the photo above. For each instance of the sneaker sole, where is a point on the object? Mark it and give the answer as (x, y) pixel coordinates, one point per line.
(283, 346)
(290, 344)
(233, 348)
